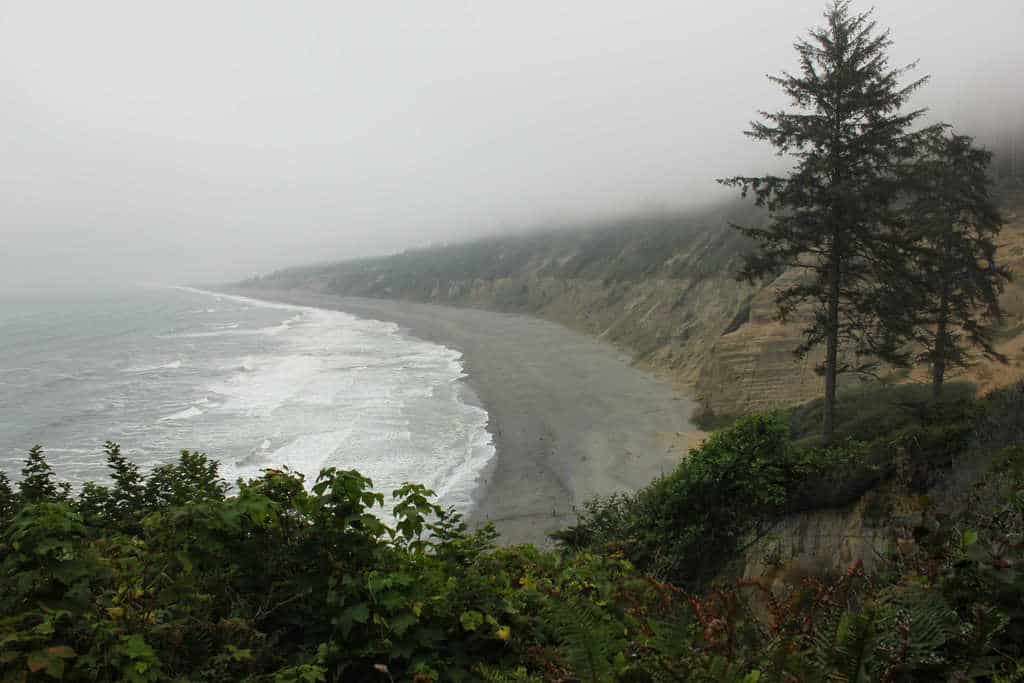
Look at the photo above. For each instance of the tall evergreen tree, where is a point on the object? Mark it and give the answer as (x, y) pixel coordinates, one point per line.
(37, 479)
(126, 496)
(957, 301)
(7, 502)
(833, 217)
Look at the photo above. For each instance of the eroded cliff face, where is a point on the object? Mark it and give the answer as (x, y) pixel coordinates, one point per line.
(753, 367)
(818, 543)
(662, 289)
(669, 325)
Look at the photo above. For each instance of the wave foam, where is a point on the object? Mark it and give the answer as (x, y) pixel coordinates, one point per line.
(186, 414)
(340, 391)
(173, 365)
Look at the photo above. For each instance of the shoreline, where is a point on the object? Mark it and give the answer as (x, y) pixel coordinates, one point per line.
(568, 416)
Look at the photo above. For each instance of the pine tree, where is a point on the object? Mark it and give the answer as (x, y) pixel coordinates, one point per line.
(833, 217)
(37, 484)
(957, 302)
(126, 497)
(6, 499)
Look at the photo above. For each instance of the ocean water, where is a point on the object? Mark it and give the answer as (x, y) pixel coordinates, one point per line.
(253, 384)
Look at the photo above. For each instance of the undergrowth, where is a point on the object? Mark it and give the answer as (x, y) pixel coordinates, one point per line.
(174, 576)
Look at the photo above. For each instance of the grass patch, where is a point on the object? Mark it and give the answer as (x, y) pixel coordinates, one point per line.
(867, 411)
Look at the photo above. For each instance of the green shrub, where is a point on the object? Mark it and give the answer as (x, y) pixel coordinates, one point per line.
(279, 582)
(739, 479)
(749, 474)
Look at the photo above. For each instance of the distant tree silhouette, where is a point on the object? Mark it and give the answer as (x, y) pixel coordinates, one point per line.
(957, 298)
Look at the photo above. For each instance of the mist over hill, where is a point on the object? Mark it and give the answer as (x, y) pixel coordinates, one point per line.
(659, 284)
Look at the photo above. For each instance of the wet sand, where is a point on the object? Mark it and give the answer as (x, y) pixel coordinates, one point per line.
(569, 416)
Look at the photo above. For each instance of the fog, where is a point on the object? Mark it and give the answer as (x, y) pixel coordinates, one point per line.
(207, 141)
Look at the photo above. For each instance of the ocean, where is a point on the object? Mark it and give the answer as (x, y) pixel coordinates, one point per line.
(252, 384)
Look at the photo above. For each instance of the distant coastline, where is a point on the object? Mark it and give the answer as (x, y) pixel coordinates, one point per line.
(570, 418)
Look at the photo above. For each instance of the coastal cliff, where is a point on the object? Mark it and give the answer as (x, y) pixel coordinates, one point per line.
(661, 287)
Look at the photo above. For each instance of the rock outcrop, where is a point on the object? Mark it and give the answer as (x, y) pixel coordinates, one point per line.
(818, 543)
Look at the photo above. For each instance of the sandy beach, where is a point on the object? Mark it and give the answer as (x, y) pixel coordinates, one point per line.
(569, 416)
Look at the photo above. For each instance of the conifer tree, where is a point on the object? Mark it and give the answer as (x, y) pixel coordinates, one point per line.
(833, 217)
(37, 479)
(126, 497)
(957, 302)
(6, 499)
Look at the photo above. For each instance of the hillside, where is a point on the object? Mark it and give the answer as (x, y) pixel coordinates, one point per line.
(752, 367)
(660, 286)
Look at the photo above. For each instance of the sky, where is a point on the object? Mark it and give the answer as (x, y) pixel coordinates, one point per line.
(207, 141)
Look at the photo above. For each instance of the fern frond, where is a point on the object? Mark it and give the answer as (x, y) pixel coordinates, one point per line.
(843, 647)
(915, 626)
(590, 639)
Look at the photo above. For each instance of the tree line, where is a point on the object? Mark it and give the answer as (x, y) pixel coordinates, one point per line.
(890, 227)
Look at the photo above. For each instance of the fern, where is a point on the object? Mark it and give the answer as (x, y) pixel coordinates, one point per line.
(779, 662)
(843, 647)
(673, 639)
(915, 627)
(590, 639)
(672, 644)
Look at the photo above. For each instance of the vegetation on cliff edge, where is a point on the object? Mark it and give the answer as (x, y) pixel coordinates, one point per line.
(169, 576)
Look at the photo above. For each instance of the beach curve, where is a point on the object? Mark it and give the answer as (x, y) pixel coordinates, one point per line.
(570, 417)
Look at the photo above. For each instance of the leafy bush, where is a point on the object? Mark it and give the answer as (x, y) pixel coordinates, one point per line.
(168, 577)
(739, 479)
(747, 475)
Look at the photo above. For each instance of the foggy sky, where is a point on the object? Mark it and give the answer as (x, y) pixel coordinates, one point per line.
(191, 141)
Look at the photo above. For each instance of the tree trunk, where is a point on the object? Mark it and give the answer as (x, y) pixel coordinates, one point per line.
(939, 352)
(942, 324)
(832, 346)
(938, 373)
